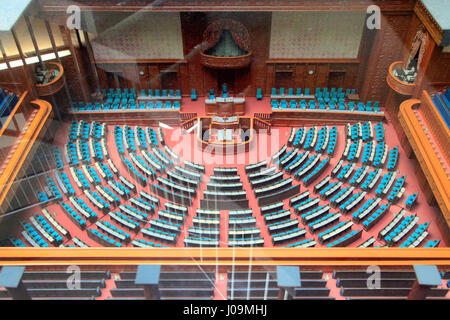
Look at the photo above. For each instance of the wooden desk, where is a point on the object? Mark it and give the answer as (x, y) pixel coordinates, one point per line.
(224, 123)
(353, 97)
(225, 106)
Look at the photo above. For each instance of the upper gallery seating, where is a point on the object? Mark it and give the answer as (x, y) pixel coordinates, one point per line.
(441, 100)
(126, 100)
(160, 94)
(8, 101)
(322, 100)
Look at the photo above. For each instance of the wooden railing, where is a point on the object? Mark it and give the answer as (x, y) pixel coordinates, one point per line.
(55, 85)
(187, 115)
(20, 150)
(325, 259)
(263, 116)
(186, 125)
(225, 62)
(261, 124)
(436, 124)
(396, 84)
(427, 157)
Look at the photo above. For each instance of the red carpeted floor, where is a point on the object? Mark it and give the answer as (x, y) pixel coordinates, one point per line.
(266, 145)
(185, 145)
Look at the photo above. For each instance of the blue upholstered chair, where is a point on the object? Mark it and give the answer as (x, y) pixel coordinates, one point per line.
(258, 94)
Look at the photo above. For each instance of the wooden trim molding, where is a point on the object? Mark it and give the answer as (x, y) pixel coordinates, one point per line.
(313, 60)
(134, 61)
(316, 257)
(235, 62)
(429, 22)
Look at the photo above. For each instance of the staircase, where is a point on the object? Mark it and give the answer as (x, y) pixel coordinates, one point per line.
(188, 120)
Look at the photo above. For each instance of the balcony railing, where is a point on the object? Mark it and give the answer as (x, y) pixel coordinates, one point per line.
(236, 62)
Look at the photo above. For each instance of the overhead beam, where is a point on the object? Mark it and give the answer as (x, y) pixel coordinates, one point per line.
(228, 5)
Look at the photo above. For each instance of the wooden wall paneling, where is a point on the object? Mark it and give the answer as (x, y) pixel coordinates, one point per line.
(366, 46)
(77, 70)
(322, 75)
(387, 48)
(102, 77)
(421, 78)
(438, 72)
(310, 79)
(184, 80)
(242, 84)
(209, 81)
(350, 75)
(130, 74)
(299, 76)
(258, 25)
(91, 59)
(154, 76)
(193, 25)
(270, 78)
(142, 70)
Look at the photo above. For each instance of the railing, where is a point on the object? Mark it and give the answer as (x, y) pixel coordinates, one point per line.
(225, 62)
(436, 124)
(325, 258)
(186, 125)
(427, 157)
(19, 151)
(263, 116)
(53, 86)
(187, 115)
(397, 85)
(261, 124)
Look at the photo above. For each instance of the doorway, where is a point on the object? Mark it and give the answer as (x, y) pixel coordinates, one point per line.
(226, 77)
(283, 79)
(169, 80)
